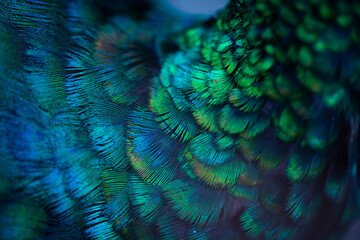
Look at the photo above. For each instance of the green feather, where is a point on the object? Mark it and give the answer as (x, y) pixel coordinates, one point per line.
(145, 199)
(266, 150)
(243, 102)
(179, 124)
(204, 147)
(151, 152)
(304, 165)
(197, 205)
(233, 121)
(290, 126)
(206, 117)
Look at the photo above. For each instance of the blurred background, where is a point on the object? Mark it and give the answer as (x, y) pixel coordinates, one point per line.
(199, 7)
(99, 11)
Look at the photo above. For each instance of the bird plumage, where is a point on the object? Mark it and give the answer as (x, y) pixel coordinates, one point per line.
(242, 126)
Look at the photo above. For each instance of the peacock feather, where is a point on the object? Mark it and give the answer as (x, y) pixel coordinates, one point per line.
(121, 121)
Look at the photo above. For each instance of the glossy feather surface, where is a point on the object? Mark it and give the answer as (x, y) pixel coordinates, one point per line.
(126, 123)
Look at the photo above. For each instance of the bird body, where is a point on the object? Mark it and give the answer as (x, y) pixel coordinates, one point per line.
(242, 126)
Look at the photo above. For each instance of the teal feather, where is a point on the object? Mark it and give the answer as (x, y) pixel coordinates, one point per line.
(120, 123)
